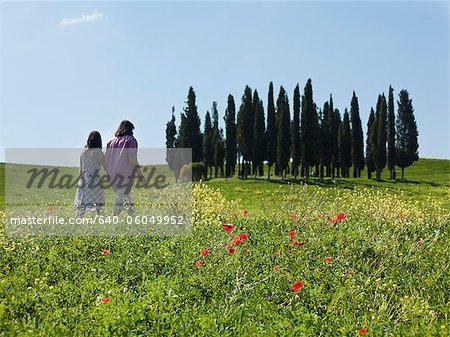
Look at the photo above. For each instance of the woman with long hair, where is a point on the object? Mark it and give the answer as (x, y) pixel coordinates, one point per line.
(122, 166)
(90, 195)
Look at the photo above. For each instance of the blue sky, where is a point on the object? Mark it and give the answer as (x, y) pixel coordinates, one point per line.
(67, 68)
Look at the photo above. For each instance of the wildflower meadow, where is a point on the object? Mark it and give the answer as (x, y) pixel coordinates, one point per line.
(315, 262)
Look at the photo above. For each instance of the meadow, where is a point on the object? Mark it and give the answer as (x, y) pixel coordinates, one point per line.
(322, 257)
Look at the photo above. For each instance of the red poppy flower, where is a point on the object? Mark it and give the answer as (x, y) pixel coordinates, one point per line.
(245, 212)
(297, 285)
(236, 240)
(231, 249)
(301, 243)
(105, 300)
(277, 253)
(320, 216)
(49, 209)
(228, 227)
(247, 251)
(295, 243)
(105, 252)
(331, 220)
(341, 216)
(328, 258)
(205, 252)
(292, 233)
(402, 216)
(199, 263)
(293, 216)
(350, 272)
(363, 330)
(276, 268)
(243, 236)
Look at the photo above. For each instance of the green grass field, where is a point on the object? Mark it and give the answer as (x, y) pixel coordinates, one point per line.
(427, 177)
(346, 257)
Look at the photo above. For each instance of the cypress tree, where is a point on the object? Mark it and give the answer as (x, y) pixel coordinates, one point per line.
(284, 132)
(296, 150)
(324, 143)
(309, 129)
(219, 153)
(334, 128)
(391, 135)
(216, 138)
(171, 132)
(215, 116)
(208, 146)
(316, 134)
(345, 145)
(230, 132)
(245, 129)
(172, 156)
(380, 152)
(190, 136)
(255, 102)
(258, 141)
(271, 134)
(406, 144)
(371, 144)
(357, 138)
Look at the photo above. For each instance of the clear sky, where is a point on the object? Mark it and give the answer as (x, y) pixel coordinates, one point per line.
(67, 68)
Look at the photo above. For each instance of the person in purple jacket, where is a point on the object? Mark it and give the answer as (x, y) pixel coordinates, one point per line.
(122, 166)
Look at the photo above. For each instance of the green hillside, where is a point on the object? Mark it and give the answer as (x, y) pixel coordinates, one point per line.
(427, 177)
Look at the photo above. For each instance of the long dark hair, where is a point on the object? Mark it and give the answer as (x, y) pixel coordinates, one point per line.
(94, 140)
(125, 129)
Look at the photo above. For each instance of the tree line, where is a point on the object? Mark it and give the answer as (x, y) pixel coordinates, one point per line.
(316, 141)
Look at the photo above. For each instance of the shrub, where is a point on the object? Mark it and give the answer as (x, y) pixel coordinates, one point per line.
(209, 207)
(194, 171)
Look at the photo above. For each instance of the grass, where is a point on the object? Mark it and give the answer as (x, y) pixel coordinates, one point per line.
(387, 270)
(427, 177)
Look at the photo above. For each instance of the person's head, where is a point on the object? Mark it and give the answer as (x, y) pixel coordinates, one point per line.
(94, 140)
(125, 129)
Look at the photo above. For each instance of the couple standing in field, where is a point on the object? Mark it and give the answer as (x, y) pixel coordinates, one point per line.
(121, 165)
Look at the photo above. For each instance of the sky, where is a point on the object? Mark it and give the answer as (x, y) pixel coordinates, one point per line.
(67, 68)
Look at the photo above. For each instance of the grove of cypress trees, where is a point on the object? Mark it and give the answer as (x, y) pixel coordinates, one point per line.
(357, 138)
(391, 135)
(230, 133)
(296, 150)
(284, 132)
(271, 133)
(406, 144)
(371, 143)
